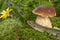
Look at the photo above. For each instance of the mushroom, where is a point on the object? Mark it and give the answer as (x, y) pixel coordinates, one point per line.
(44, 12)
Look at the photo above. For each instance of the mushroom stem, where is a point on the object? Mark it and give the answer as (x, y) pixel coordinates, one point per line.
(44, 21)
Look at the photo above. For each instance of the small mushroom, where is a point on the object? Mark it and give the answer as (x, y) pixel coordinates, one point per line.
(44, 12)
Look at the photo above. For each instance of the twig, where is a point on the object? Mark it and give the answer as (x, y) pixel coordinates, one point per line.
(42, 28)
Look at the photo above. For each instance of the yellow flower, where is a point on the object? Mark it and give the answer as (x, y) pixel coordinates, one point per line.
(5, 13)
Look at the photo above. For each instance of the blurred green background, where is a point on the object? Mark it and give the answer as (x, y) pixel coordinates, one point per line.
(16, 28)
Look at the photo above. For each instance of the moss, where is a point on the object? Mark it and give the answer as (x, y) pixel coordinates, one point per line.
(55, 21)
(16, 27)
(9, 29)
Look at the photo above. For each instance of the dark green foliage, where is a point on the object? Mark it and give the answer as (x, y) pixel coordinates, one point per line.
(30, 34)
(24, 8)
(56, 21)
(12, 29)
(56, 4)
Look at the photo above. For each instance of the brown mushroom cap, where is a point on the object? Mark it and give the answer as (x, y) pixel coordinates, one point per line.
(44, 11)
